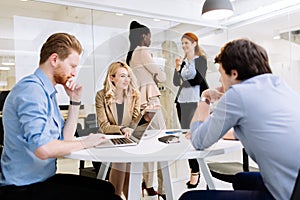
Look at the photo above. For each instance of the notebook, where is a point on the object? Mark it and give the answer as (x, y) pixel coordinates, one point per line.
(136, 135)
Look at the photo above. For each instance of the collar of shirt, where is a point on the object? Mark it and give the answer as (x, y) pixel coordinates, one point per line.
(187, 61)
(49, 88)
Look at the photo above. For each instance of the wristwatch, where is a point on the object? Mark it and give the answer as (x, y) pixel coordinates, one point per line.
(75, 103)
(204, 99)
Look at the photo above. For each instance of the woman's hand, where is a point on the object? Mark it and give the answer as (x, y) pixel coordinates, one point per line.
(188, 135)
(153, 103)
(178, 62)
(127, 132)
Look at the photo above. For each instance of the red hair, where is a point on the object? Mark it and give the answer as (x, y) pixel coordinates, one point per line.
(193, 38)
(190, 36)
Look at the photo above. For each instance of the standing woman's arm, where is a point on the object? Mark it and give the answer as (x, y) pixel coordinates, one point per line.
(201, 68)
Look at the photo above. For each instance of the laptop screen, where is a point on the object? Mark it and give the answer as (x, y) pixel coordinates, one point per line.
(143, 125)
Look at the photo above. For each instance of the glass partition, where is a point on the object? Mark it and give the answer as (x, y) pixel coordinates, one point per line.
(104, 36)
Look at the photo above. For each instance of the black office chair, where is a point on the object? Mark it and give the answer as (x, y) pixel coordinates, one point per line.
(226, 171)
(90, 121)
(85, 171)
(1, 137)
(296, 191)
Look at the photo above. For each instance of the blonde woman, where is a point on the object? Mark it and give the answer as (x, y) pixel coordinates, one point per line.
(118, 108)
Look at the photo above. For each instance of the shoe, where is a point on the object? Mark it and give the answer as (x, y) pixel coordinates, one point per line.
(162, 196)
(150, 191)
(189, 185)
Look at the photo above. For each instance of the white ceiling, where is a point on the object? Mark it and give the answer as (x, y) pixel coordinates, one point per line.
(175, 15)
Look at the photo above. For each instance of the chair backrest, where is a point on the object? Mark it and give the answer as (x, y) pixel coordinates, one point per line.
(1, 132)
(296, 191)
(90, 121)
(1, 137)
(245, 161)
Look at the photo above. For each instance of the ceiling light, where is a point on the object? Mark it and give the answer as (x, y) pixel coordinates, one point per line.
(156, 20)
(119, 14)
(217, 9)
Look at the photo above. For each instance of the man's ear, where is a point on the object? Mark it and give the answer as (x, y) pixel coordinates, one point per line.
(234, 73)
(53, 59)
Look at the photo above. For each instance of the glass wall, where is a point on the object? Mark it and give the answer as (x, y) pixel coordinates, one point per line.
(104, 36)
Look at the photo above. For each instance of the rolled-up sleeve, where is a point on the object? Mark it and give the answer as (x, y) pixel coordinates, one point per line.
(228, 113)
(40, 125)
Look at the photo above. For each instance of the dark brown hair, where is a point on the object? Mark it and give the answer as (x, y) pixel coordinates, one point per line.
(243, 55)
(136, 32)
(60, 43)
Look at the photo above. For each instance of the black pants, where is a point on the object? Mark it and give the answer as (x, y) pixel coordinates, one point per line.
(61, 187)
(185, 112)
(247, 186)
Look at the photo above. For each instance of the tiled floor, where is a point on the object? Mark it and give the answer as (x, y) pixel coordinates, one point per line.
(181, 169)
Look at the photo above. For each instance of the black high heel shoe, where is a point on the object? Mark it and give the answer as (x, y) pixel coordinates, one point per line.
(162, 196)
(150, 191)
(189, 185)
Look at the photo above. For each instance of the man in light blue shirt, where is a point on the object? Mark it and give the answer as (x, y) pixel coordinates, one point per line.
(35, 133)
(19, 118)
(263, 111)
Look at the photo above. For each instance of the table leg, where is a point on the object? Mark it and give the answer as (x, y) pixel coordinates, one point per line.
(206, 173)
(135, 180)
(103, 170)
(167, 179)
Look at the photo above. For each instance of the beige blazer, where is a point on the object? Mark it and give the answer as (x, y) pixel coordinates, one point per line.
(107, 113)
(146, 71)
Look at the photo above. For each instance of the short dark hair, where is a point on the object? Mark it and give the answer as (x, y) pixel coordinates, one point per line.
(60, 43)
(243, 55)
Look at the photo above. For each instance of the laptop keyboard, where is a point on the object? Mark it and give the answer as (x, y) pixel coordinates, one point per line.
(121, 141)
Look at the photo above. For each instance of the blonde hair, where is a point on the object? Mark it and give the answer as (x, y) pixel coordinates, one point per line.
(109, 87)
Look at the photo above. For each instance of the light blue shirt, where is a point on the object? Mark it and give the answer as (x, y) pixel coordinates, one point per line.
(31, 118)
(265, 114)
(189, 94)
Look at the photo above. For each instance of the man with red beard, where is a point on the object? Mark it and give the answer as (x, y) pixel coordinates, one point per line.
(35, 134)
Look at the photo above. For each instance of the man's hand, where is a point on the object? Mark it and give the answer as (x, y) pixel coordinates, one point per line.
(73, 90)
(92, 140)
(212, 94)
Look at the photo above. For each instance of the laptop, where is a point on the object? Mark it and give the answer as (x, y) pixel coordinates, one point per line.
(143, 123)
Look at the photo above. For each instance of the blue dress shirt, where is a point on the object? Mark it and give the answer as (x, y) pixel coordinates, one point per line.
(31, 118)
(265, 114)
